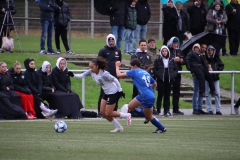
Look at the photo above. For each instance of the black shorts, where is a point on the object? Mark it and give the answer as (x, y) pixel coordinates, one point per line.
(111, 98)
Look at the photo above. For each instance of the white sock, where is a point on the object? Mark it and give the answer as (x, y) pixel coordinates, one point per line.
(123, 115)
(116, 123)
(44, 108)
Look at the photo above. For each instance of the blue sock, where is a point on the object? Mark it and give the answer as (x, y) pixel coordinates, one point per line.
(139, 111)
(156, 123)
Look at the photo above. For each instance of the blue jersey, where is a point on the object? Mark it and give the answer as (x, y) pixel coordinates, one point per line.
(142, 80)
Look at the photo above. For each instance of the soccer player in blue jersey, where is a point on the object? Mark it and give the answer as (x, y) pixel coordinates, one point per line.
(146, 98)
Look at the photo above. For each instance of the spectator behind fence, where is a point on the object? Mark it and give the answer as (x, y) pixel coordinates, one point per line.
(35, 84)
(217, 19)
(214, 64)
(118, 11)
(20, 86)
(47, 9)
(165, 69)
(62, 17)
(236, 106)
(57, 99)
(7, 24)
(143, 17)
(197, 17)
(61, 80)
(176, 54)
(10, 101)
(112, 54)
(170, 22)
(197, 66)
(130, 26)
(233, 25)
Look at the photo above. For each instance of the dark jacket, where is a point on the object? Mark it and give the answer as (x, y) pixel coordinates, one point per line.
(19, 82)
(144, 58)
(216, 64)
(197, 16)
(176, 53)
(111, 54)
(47, 84)
(194, 59)
(233, 22)
(170, 21)
(32, 77)
(4, 4)
(117, 11)
(6, 81)
(185, 21)
(62, 17)
(47, 9)
(61, 79)
(143, 12)
(131, 21)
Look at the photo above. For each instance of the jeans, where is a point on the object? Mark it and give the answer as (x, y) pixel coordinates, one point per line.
(209, 98)
(140, 31)
(118, 31)
(196, 99)
(47, 30)
(128, 40)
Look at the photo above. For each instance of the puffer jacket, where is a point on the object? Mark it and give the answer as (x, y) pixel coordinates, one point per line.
(62, 17)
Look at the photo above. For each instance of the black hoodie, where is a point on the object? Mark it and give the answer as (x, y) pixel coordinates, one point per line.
(143, 12)
(33, 80)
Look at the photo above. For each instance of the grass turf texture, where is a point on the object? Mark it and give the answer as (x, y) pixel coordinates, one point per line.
(188, 138)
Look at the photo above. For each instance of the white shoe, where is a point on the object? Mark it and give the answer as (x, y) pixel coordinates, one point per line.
(128, 119)
(43, 52)
(120, 129)
(70, 52)
(49, 114)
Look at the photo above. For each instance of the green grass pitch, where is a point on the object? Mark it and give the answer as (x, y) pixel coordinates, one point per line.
(187, 138)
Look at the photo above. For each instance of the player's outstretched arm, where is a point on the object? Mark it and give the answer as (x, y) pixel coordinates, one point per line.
(119, 74)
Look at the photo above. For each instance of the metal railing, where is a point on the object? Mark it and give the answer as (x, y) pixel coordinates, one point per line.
(182, 72)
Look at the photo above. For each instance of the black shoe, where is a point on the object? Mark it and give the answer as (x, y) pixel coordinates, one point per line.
(160, 131)
(218, 113)
(201, 111)
(99, 115)
(146, 121)
(210, 112)
(225, 54)
(213, 93)
(196, 112)
(203, 95)
(178, 113)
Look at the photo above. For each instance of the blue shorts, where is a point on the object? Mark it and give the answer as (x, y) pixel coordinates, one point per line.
(146, 102)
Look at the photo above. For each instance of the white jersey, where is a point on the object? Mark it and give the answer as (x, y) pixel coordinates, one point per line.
(109, 83)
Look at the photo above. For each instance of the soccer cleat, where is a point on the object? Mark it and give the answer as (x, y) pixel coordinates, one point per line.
(129, 120)
(236, 110)
(160, 131)
(118, 129)
(43, 52)
(146, 121)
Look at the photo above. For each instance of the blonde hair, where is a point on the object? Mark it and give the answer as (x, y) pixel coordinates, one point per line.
(16, 63)
(2, 63)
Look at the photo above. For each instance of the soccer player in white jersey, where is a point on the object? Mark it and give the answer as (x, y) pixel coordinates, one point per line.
(145, 98)
(112, 92)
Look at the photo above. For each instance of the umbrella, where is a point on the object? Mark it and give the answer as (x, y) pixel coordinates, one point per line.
(225, 2)
(208, 38)
(174, 1)
(101, 5)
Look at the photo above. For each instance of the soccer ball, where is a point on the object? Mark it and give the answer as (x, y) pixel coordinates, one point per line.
(60, 126)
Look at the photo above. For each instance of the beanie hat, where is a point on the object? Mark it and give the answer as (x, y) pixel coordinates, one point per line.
(150, 40)
(110, 38)
(175, 40)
